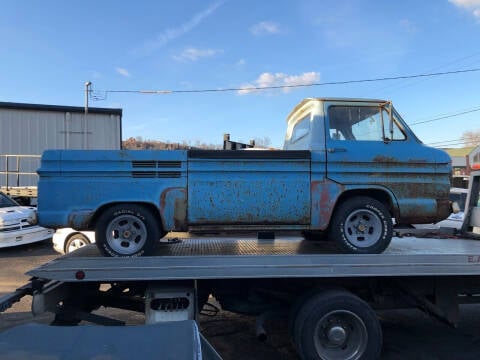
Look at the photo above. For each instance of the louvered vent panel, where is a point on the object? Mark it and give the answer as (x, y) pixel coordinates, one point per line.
(156, 174)
(144, 174)
(156, 164)
(169, 174)
(144, 164)
(169, 164)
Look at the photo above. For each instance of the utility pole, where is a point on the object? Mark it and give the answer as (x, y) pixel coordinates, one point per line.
(87, 90)
(85, 125)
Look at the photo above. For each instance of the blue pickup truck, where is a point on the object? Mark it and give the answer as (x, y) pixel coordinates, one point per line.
(348, 168)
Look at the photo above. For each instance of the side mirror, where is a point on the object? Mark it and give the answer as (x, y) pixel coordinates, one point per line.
(388, 107)
(390, 125)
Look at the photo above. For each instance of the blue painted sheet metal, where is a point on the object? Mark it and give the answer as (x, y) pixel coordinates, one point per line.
(324, 192)
(264, 191)
(416, 175)
(158, 178)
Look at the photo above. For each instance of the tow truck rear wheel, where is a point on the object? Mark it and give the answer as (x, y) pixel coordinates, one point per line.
(336, 324)
(127, 230)
(361, 225)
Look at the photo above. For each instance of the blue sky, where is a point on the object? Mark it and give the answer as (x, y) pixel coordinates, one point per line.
(51, 48)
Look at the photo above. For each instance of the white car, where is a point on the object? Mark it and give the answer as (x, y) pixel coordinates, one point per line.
(455, 220)
(66, 240)
(18, 224)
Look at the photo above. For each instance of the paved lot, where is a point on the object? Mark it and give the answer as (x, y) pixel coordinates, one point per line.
(407, 334)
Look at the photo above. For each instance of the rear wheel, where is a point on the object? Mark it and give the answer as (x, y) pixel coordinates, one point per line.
(76, 241)
(361, 225)
(336, 324)
(127, 230)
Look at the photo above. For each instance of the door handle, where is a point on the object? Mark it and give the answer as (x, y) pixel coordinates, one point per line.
(332, 150)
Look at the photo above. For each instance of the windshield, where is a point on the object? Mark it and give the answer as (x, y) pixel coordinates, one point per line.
(5, 201)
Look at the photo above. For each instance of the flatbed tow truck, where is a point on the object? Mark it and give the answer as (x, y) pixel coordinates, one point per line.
(330, 298)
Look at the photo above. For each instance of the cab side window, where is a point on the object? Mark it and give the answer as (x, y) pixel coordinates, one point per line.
(301, 128)
(362, 123)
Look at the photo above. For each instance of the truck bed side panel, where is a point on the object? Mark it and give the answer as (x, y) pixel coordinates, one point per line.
(249, 187)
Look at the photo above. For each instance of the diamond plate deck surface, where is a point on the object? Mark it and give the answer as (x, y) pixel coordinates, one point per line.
(285, 257)
(203, 246)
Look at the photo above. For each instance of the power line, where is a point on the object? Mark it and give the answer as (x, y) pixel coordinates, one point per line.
(446, 116)
(273, 87)
(465, 143)
(405, 84)
(443, 142)
(460, 141)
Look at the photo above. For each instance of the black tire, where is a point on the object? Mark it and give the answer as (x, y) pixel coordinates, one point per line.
(361, 225)
(336, 324)
(75, 242)
(127, 230)
(301, 300)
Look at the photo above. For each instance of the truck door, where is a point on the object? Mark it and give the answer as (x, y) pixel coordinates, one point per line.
(363, 149)
(248, 188)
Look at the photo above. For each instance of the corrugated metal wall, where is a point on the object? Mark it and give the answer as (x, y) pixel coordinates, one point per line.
(30, 132)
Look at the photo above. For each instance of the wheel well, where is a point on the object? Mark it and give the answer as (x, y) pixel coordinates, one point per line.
(151, 207)
(376, 194)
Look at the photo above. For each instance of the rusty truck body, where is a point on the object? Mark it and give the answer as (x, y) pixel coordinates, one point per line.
(348, 167)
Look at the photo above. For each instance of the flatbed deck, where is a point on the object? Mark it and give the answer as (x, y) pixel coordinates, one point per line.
(284, 257)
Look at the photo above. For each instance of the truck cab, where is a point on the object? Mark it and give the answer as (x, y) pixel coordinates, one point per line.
(364, 145)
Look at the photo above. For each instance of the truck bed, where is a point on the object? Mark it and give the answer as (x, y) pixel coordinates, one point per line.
(284, 257)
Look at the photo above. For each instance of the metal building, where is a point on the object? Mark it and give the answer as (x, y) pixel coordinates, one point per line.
(26, 130)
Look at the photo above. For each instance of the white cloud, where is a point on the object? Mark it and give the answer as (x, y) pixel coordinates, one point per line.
(193, 54)
(167, 35)
(241, 62)
(265, 28)
(466, 3)
(280, 80)
(470, 5)
(122, 71)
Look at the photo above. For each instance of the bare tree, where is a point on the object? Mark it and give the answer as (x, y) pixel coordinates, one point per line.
(471, 137)
(263, 142)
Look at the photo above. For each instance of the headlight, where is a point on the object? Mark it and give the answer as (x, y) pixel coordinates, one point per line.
(33, 220)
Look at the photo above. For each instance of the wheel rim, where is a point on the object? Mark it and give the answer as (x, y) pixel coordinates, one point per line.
(126, 234)
(363, 228)
(340, 334)
(75, 244)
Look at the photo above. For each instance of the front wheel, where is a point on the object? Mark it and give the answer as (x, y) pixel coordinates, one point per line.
(361, 225)
(127, 230)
